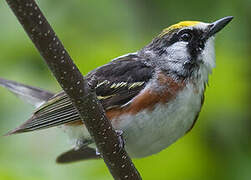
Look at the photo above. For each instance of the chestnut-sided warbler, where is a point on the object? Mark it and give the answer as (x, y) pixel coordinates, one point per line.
(153, 95)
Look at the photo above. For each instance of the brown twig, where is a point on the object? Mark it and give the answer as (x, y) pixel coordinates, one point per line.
(76, 87)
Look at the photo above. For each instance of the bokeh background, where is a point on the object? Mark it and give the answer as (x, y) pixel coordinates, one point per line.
(96, 31)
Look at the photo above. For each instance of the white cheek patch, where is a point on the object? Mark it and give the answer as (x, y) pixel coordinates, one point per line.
(176, 55)
(177, 51)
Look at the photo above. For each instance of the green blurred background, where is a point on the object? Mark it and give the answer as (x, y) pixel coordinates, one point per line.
(95, 31)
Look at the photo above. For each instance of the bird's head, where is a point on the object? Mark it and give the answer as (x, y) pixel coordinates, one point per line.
(186, 48)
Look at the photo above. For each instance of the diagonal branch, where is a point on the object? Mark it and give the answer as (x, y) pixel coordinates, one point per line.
(76, 87)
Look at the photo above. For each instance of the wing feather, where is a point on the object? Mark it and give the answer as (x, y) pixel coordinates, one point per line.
(118, 83)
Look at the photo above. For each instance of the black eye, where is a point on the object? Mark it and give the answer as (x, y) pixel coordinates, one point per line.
(186, 36)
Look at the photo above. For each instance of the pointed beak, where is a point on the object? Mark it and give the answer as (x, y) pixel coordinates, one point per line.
(216, 26)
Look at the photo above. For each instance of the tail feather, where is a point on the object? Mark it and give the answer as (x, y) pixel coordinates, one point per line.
(29, 94)
(32, 95)
(15, 131)
(52, 110)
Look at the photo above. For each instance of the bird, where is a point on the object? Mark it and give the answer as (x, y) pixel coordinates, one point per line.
(153, 96)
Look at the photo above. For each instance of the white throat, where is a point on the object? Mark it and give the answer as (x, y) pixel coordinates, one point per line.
(208, 58)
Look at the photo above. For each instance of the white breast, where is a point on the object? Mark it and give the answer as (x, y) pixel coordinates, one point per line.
(152, 131)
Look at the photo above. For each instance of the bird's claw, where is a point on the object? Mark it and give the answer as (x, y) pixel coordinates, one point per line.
(121, 140)
(97, 152)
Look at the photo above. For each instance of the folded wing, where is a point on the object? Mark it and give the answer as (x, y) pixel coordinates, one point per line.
(117, 84)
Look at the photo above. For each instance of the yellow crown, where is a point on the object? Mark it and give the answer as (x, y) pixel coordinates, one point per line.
(179, 25)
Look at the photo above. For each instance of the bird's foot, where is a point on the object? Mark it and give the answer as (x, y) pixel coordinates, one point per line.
(80, 143)
(121, 139)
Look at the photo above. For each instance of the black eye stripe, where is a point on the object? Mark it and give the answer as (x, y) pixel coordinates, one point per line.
(160, 43)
